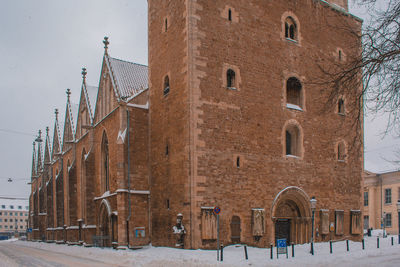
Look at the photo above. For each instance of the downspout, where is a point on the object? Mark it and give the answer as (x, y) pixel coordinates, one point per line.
(381, 219)
(129, 178)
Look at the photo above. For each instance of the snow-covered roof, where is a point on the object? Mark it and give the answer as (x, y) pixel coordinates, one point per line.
(14, 204)
(129, 79)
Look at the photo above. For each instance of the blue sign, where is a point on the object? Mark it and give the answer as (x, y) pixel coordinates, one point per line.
(281, 247)
(217, 210)
(29, 230)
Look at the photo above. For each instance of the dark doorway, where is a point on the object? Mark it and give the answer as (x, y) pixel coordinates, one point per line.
(235, 229)
(282, 229)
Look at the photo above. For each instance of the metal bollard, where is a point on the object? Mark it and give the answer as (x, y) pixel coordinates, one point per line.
(330, 246)
(292, 250)
(312, 248)
(222, 252)
(392, 240)
(245, 252)
(347, 245)
(377, 242)
(363, 244)
(272, 251)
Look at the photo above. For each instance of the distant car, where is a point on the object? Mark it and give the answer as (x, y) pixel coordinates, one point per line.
(23, 238)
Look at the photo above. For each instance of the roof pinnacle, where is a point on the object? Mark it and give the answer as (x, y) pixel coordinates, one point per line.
(84, 72)
(47, 130)
(68, 93)
(106, 43)
(39, 138)
(56, 112)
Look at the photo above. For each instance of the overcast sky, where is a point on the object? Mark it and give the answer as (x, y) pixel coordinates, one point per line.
(45, 43)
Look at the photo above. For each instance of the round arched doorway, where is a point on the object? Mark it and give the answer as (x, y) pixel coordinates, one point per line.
(291, 215)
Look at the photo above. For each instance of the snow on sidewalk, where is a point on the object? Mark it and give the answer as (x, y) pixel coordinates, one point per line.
(386, 255)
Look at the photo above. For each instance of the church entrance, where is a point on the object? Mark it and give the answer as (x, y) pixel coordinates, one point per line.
(291, 214)
(282, 229)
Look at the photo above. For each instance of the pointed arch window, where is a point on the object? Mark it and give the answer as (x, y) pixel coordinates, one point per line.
(231, 79)
(105, 164)
(291, 29)
(166, 85)
(294, 92)
(83, 185)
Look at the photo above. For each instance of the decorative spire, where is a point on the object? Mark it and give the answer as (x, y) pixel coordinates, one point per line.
(84, 72)
(68, 93)
(47, 157)
(33, 175)
(39, 155)
(56, 112)
(106, 43)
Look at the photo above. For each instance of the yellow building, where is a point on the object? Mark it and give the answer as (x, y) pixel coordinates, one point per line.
(13, 216)
(381, 193)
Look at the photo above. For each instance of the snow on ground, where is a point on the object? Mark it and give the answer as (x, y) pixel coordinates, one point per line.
(386, 255)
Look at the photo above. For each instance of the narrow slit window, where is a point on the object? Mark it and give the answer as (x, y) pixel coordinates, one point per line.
(166, 85)
(166, 150)
(230, 15)
(341, 107)
(230, 77)
(288, 143)
(166, 25)
(340, 55)
(341, 155)
(238, 162)
(167, 203)
(292, 141)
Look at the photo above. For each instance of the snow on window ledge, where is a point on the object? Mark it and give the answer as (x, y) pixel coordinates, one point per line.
(293, 106)
(292, 156)
(232, 88)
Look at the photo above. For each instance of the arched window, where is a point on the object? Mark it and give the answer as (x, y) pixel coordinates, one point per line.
(294, 93)
(290, 29)
(105, 171)
(341, 151)
(230, 79)
(292, 142)
(166, 85)
(341, 109)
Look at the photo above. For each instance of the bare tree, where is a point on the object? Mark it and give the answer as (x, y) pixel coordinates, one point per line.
(376, 67)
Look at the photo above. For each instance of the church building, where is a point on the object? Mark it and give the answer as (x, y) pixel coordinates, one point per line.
(230, 113)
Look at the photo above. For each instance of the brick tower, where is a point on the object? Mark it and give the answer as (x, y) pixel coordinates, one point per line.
(237, 122)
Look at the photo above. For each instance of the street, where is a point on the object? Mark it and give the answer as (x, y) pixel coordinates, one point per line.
(16, 254)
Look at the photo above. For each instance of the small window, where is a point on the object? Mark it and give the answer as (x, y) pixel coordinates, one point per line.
(1, 220)
(5, 226)
(11, 220)
(340, 55)
(11, 227)
(388, 220)
(166, 150)
(3, 206)
(166, 25)
(341, 110)
(231, 79)
(5, 220)
(341, 153)
(20, 214)
(292, 142)
(5, 213)
(293, 93)
(166, 85)
(11, 207)
(238, 162)
(230, 15)
(290, 29)
(1, 213)
(167, 203)
(20, 227)
(365, 199)
(388, 196)
(20, 207)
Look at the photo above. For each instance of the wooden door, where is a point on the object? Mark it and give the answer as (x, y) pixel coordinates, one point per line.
(235, 229)
(282, 229)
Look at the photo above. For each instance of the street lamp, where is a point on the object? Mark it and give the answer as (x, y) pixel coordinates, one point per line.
(384, 224)
(398, 219)
(313, 204)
